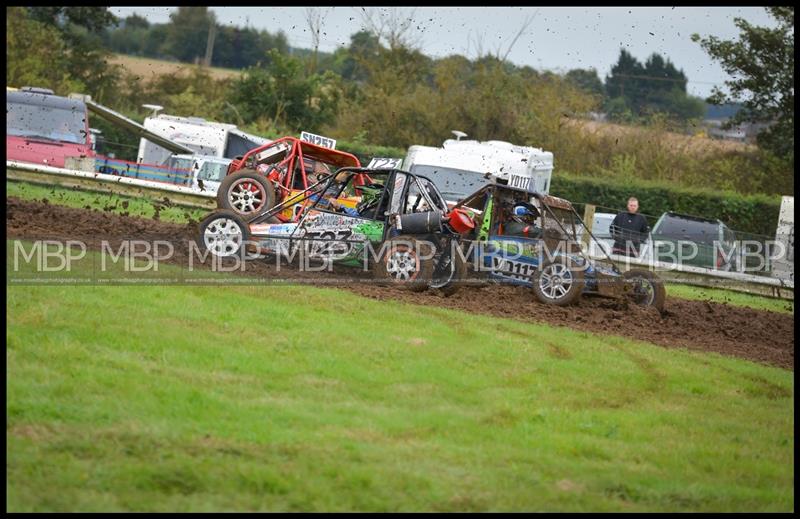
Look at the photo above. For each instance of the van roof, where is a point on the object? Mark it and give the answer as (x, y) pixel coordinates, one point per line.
(481, 158)
(48, 100)
(673, 214)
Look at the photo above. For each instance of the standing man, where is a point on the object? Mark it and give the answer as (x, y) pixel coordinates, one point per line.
(629, 230)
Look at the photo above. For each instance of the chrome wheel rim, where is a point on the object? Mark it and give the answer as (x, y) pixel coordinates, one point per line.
(246, 196)
(402, 265)
(555, 281)
(223, 237)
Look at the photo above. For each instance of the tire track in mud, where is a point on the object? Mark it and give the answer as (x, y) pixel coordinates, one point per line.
(757, 335)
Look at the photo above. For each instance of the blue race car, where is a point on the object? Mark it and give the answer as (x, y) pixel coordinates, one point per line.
(527, 238)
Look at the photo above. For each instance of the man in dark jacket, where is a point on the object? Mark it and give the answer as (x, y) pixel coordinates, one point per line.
(629, 230)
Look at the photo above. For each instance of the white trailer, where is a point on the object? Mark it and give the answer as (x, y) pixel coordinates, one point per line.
(460, 167)
(200, 136)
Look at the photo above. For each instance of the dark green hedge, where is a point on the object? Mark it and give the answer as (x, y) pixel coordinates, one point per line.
(756, 214)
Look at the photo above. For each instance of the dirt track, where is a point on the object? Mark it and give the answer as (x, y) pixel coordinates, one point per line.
(757, 335)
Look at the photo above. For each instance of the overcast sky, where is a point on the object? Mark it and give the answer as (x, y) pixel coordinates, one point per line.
(559, 38)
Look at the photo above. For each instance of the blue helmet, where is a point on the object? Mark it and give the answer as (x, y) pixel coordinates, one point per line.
(525, 209)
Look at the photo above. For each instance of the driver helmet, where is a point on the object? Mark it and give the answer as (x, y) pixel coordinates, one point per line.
(525, 213)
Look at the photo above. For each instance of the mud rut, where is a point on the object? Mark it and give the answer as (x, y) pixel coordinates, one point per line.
(761, 336)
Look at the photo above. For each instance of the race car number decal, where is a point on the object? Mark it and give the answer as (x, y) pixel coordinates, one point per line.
(384, 163)
(319, 140)
(515, 269)
(520, 182)
(327, 242)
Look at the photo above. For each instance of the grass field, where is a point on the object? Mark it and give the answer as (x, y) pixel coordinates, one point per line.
(147, 68)
(85, 200)
(299, 398)
(730, 297)
(145, 209)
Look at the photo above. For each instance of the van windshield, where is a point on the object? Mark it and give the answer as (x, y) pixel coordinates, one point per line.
(45, 122)
(213, 171)
(454, 184)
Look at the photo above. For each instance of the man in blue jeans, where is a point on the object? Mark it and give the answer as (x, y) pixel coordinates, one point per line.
(629, 230)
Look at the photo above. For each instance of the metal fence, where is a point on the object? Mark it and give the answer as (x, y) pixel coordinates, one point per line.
(743, 252)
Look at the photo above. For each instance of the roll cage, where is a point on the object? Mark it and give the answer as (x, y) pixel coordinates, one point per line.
(392, 202)
(548, 203)
(290, 153)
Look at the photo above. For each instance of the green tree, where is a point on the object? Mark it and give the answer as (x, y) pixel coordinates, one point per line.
(282, 95)
(36, 54)
(187, 33)
(93, 19)
(762, 63)
(657, 87)
(135, 21)
(587, 80)
(130, 37)
(364, 47)
(81, 29)
(625, 79)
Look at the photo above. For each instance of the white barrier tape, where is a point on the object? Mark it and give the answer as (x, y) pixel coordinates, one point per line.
(102, 177)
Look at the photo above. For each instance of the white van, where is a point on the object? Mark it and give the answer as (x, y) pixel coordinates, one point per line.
(206, 172)
(203, 137)
(460, 167)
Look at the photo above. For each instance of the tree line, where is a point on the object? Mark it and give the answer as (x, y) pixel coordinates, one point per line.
(382, 91)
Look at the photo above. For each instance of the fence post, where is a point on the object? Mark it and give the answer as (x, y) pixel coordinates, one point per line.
(588, 221)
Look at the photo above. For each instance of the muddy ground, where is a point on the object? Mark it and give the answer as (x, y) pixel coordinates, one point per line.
(757, 335)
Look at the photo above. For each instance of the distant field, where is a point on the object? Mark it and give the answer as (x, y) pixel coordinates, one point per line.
(686, 143)
(147, 68)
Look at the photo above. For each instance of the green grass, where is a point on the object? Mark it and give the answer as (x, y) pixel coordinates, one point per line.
(730, 297)
(299, 398)
(140, 207)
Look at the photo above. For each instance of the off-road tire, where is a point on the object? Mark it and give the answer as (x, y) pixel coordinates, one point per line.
(457, 274)
(405, 262)
(656, 295)
(558, 282)
(235, 190)
(231, 230)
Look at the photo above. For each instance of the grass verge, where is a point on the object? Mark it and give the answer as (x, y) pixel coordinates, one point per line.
(303, 399)
(124, 205)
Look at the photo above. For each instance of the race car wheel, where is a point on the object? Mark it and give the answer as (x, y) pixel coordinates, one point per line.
(646, 288)
(557, 282)
(223, 233)
(245, 192)
(449, 273)
(406, 262)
